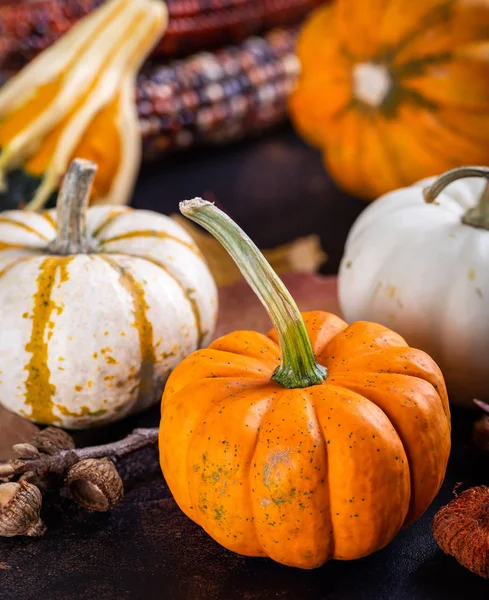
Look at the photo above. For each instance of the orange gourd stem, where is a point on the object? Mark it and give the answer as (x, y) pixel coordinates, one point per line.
(71, 206)
(477, 216)
(299, 368)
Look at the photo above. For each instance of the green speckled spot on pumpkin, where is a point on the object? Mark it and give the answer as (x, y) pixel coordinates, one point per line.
(219, 513)
(39, 391)
(203, 502)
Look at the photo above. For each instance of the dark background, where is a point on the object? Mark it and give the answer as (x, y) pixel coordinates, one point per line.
(146, 549)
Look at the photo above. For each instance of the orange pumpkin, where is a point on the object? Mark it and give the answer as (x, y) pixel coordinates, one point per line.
(319, 441)
(394, 91)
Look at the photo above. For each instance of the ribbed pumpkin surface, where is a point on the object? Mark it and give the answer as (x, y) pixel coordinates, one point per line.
(395, 90)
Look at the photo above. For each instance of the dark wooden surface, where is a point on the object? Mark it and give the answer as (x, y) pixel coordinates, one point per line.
(275, 187)
(146, 548)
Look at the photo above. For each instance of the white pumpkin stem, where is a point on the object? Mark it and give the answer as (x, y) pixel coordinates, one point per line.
(299, 368)
(477, 216)
(72, 204)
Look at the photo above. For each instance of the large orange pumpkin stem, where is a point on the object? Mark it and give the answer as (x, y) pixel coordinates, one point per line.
(477, 216)
(72, 204)
(299, 368)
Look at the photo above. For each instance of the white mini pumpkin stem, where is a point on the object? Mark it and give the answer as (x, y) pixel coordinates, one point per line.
(72, 204)
(477, 216)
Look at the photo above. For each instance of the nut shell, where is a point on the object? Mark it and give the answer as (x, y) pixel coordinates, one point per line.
(461, 529)
(95, 484)
(20, 507)
(51, 440)
(26, 451)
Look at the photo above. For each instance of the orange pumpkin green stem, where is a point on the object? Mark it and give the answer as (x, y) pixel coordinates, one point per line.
(299, 368)
(477, 216)
(71, 206)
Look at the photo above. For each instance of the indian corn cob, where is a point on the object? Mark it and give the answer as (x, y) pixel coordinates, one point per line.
(29, 26)
(211, 98)
(218, 97)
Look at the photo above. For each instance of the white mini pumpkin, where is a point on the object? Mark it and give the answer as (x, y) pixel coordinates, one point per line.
(97, 307)
(417, 261)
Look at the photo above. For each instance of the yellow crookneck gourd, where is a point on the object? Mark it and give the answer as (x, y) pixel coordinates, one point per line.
(77, 99)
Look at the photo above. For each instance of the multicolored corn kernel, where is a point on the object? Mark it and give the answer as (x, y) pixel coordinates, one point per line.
(27, 27)
(219, 97)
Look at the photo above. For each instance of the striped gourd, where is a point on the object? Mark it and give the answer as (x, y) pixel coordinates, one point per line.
(27, 27)
(207, 98)
(97, 306)
(77, 100)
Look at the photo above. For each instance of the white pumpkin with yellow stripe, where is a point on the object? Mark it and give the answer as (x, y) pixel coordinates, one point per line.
(97, 307)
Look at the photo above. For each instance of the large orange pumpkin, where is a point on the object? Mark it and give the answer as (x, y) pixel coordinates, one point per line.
(319, 441)
(395, 90)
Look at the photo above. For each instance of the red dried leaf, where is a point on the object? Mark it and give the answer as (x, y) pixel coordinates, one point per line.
(239, 308)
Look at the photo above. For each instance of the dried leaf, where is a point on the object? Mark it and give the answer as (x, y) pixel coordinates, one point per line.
(240, 309)
(14, 430)
(304, 254)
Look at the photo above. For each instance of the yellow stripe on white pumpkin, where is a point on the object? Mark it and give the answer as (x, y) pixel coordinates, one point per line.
(173, 336)
(100, 217)
(142, 224)
(20, 293)
(33, 224)
(166, 244)
(22, 236)
(187, 271)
